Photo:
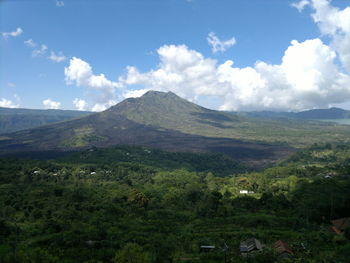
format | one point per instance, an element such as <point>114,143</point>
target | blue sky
<point>166,44</point>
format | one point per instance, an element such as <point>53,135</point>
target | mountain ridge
<point>15,119</point>
<point>313,114</point>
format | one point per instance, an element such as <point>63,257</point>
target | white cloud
<point>80,104</point>
<point>40,51</point>
<point>11,84</point>
<point>51,104</point>
<point>57,57</point>
<point>308,77</point>
<point>79,73</point>
<point>103,106</point>
<point>181,70</point>
<point>59,3</point>
<point>30,43</point>
<point>300,5</point>
<point>218,45</point>
<point>16,33</point>
<point>134,93</point>
<point>8,103</point>
<point>335,23</point>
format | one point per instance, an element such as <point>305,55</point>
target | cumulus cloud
<point>300,5</point>
<point>57,57</point>
<point>181,70</point>
<point>334,23</point>
<point>308,77</point>
<point>16,33</point>
<point>134,93</point>
<point>59,3</point>
<point>51,104</point>
<point>8,103</point>
<point>218,45</point>
<point>80,104</point>
<point>80,73</point>
<point>103,106</point>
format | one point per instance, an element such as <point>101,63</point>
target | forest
<point>137,204</point>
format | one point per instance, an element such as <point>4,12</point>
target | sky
<point>231,55</point>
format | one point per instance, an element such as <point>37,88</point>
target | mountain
<point>166,121</point>
<point>169,111</point>
<point>324,114</point>
<point>12,120</point>
<point>147,121</point>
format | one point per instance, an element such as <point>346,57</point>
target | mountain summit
<point>155,102</point>
<point>167,110</point>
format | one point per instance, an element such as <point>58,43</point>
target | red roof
<point>282,247</point>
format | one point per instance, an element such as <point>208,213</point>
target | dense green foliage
<point>12,120</point>
<point>142,156</point>
<point>109,206</point>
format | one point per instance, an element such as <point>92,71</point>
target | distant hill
<point>12,120</point>
<point>324,114</point>
<point>316,114</point>
<point>166,121</point>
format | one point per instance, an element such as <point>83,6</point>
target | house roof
<point>282,247</point>
<point>340,224</point>
<point>249,245</point>
<point>208,247</point>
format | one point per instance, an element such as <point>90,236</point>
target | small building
<point>245,192</point>
<point>207,248</point>
<point>339,225</point>
<point>250,245</point>
<point>36,172</point>
<point>92,173</point>
<point>282,249</point>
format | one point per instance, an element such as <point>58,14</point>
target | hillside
<point>12,120</point>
